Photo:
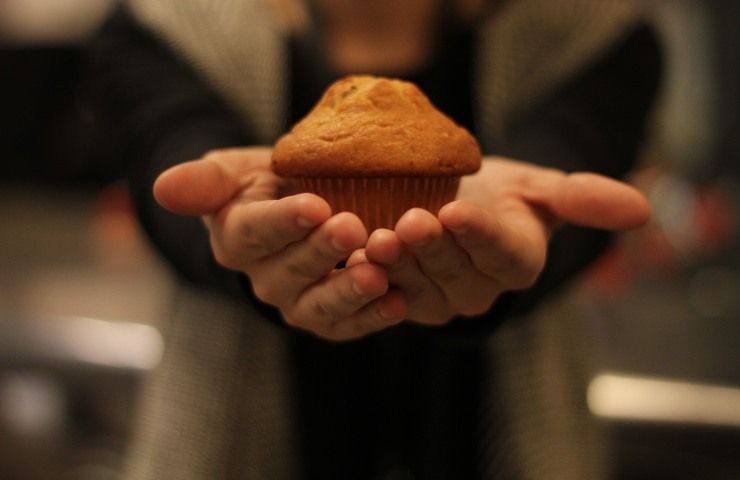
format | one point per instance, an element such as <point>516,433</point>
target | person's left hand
<point>494,237</point>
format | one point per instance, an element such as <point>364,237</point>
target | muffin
<point>376,147</point>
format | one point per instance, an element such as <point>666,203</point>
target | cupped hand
<point>494,237</point>
<point>288,246</point>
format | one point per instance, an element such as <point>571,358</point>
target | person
<point>194,88</point>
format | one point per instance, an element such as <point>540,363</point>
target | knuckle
<point>299,269</point>
<point>335,305</point>
<point>314,265</point>
<point>373,321</point>
<point>521,263</point>
<point>320,309</point>
<point>223,258</point>
<point>515,254</point>
<point>238,245</point>
<point>236,234</point>
<point>251,236</point>
<point>377,320</point>
<point>327,254</point>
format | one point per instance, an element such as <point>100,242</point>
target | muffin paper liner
<point>380,201</point>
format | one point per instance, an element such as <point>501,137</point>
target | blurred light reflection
<point>85,341</point>
<point>644,399</point>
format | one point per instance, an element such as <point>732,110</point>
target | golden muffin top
<point>372,126</point>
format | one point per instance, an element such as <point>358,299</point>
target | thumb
<point>592,200</point>
<point>204,186</point>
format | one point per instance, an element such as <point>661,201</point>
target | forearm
<point>597,120</point>
<point>161,114</point>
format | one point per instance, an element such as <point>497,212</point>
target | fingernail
<point>338,246</point>
<point>357,289</point>
<point>384,313</point>
<point>392,319</point>
<point>305,222</point>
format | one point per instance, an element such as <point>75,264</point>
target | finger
<point>340,299</point>
<point>204,186</point>
<point>386,311</point>
<point>426,302</point>
<point>589,200</point>
<point>250,230</point>
<point>281,277</point>
<point>507,247</point>
<point>357,257</point>
<point>446,264</point>
<point>383,247</point>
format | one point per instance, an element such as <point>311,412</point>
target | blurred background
<point>83,297</point>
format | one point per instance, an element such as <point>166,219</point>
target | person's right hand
<point>288,247</point>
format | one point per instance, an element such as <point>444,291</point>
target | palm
<point>494,237</point>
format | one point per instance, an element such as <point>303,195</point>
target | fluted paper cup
<point>380,201</point>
